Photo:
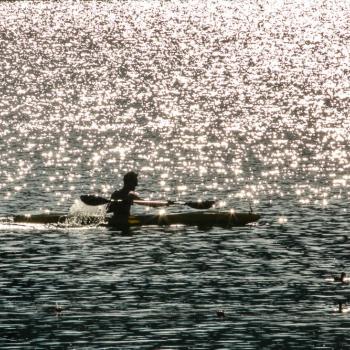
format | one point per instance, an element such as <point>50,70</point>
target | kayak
<point>193,218</point>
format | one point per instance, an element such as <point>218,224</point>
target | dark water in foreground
<point>161,288</point>
<point>244,102</point>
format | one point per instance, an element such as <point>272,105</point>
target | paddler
<point>122,199</point>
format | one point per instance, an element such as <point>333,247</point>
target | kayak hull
<point>205,219</point>
<point>201,219</point>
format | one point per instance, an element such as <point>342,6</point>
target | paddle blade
<point>201,205</point>
<point>90,199</point>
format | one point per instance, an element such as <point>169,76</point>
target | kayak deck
<point>203,219</point>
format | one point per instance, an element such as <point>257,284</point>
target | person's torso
<point>121,203</point>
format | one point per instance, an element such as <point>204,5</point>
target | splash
<point>79,208</point>
<point>82,214</point>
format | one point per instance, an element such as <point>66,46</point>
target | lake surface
<point>239,101</point>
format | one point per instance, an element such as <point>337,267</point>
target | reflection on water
<point>245,102</point>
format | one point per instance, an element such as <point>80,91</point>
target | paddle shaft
<point>96,200</point>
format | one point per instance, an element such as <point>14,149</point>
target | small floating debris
<point>220,313</point>
<point>58,308</point>
<point>342,307</point>
<point>342,278</point>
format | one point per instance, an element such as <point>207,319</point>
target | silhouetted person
<point>122,199</point>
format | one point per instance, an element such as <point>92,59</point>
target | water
<point>245,102</point>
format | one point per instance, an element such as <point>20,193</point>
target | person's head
<point>130,180</point>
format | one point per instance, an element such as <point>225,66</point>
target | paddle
<point>96,200</point>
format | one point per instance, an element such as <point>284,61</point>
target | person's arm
<point>136,199</point>
<point>134,196</point>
